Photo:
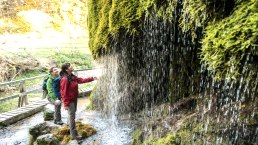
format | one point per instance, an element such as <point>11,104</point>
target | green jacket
<point>50,89</point>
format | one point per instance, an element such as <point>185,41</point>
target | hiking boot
<point>59,122</point>
<point>78,138</point>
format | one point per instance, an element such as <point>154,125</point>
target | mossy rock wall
<point>165,51</point>
<point>175,49</point>
<point>228,36</point>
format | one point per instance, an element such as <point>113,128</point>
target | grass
<point>30,74</point>
<point>49,51</point>
<point>8,105</point>
<point>13,103</point>
<point>77,59</point>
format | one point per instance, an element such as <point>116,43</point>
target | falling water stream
<point>162,65</point>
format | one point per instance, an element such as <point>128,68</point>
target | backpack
<point>44,85</point>
<point>56,87</point>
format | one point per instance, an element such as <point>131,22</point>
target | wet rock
<point>47,139</point>
<point>73,142</point>
<point>63,134</point>
<point>95,142</point>
<point>48,113</point>
<point>85,130</point>
<point>41,129</point>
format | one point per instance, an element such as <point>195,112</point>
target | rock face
<point>177,50</point>
<point>47,139</point>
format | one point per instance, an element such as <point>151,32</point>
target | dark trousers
<point>57,116</point>
<point>71,118</point>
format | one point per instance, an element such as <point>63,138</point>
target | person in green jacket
<point>53,99</point>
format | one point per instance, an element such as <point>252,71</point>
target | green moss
<point>137,137</point>
<point>170,139</point>
<point>101,37</point>
<point>193,15</point>
<point>2,125</point>
<point>123,14</point>
<point>63,133</point>
<point>91,105</point>
<point>228,37</point>
<point>93,20</point>
<point>107,18</point>
<point>228,41</point>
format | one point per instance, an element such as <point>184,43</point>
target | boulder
<point>48,113</point>
<point>40,129</point>
<point>47,139</point>
<point>63,133</point>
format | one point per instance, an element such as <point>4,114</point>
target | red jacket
<point>69,91</point>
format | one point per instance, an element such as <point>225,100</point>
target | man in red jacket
<point>69,92</point>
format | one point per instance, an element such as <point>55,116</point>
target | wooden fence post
<point>23,98</point>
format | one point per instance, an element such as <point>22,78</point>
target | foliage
<point>99,31</point>
<point>137,137</point>
<point>92,99</point>
<point>79,60</point>
<point>14,25</point>
<point>91,105</point>
<point>30,74</point>
<point>108,18</point>
<point>193,15</point>
<point>170,139</point>
<point>227,42</point>
<point>8,105</point>
<point>73,12</point>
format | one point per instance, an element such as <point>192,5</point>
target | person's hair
<point>64,67</point>
<point>52,69</point>
<point>63,72</point>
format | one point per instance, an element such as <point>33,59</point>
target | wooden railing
<point>22,95</point>
<point>23,90</point>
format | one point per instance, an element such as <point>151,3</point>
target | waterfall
<point>158,78</point>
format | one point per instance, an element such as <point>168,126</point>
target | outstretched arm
<point>84,80</point>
